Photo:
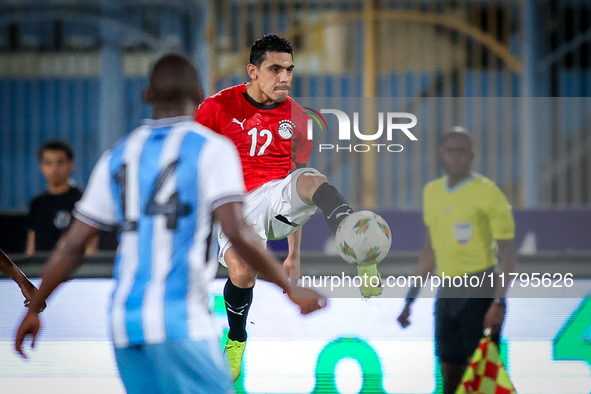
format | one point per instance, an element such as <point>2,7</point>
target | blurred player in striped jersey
<point>269,130</point>
<point>159,187</point>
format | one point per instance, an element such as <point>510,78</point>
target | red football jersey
<point>269,138</point>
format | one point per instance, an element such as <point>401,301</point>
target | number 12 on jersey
<point>254,134</point>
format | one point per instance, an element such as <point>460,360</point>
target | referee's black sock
<point>237,305</point>
<point>333,205</point>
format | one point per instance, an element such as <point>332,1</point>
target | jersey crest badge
<point>286,129</point>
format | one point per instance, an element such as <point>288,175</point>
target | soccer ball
<point>363,238</point>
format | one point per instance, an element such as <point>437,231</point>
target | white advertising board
<point>547,351</point>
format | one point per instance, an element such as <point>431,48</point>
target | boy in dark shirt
<point>50,211</point>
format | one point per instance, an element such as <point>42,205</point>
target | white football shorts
<point>274,210</point>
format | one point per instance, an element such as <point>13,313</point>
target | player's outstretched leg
<point>331,202</point>
<point>316,189</point>
<point>238,298</point>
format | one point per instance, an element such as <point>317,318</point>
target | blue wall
<point>33,111</point>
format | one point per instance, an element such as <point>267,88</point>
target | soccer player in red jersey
<point>269,129</point>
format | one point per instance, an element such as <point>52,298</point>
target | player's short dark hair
<point>56,145</point>
<point>268,43</point>
<point>456,132</point>
<point>174,80</point>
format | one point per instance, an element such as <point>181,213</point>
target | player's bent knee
<point>312,177</point>
<point>243,278</point>
<point>308,183</point>
<point>241,274</point>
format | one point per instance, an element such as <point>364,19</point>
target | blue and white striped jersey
<point>158,186</point>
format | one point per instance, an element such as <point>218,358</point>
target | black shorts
<point>459,327</point>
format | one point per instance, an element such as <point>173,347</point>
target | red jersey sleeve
<point>301,146</point>
<point>207,114</point>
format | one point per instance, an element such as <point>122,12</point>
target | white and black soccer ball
<point>363,238</point>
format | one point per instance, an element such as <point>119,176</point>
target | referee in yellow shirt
<point>467,217</point>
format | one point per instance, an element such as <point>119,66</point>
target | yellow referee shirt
<point>464,223</point>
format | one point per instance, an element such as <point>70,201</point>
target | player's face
<point>456,156</point>
<point>274,76</point>
<point>56,167</point>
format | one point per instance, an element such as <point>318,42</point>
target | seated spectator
<point>50,211</point>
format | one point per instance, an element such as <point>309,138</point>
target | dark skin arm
<point>8,268</point>
<point>507,261</point>
<point>425,265</point>
<point>64,260</point>
<point>69,252</point>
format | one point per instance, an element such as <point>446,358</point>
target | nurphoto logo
<point>392,120</point>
